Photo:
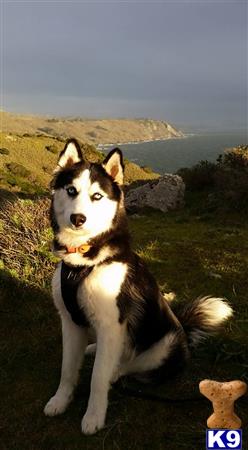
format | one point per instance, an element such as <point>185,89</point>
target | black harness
<point>71,277</point>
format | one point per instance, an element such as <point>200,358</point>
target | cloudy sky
<point>182,61</point>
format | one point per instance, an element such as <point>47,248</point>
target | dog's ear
<point>70,155</point>
<point>114,165</point>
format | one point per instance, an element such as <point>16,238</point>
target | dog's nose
<point>77,219</point>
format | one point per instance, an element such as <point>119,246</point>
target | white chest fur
<point>98,293</point>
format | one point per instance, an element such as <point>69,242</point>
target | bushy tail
<point>202,317</point>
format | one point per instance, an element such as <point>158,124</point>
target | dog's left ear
<point>70,155</point>
<point>114,165</point>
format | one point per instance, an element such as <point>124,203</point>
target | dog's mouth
<point>71,230</point>
<point>75,229</point>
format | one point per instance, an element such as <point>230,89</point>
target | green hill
<point>27,162</point>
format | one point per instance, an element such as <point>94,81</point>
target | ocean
<point>173,154</point>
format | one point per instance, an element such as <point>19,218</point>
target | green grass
<point>191,253</point>
<point>27,166</point>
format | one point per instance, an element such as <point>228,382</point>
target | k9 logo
<point>224,439</point>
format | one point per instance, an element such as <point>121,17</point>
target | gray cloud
<point>184,61</point>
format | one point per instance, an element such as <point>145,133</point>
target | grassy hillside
<point>27,163</point>
<point>89,130</point>
<point>190,254</point>
<point>201,249</point>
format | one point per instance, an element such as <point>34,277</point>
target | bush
<point>52,148</point>
<point>236,158</point>
<point>99,127</point>
<point>52,120</point>
<point>232,188</point>
<point>23,186</point>
<point>46,130</point>
<point>147,169</point>
<point>47,169</point>
<point>225,182</point>
<point>4,151</point>
<point>199,177</point>
<point>92,134</point>
<point>18,169</point>
<point>90,152</point>
<point>21,180</point>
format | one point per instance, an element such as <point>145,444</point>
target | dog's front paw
<point>56,405</point>
<point>92,422</point>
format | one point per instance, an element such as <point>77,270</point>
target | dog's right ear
<point>114,165</point>
<point>70,155</point>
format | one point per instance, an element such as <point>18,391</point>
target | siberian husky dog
<point>101,284</point>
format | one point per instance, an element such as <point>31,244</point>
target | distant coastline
<point>146,141</point>
<point>94,131</point>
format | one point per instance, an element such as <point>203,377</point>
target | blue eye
<point>96,196</point>
<point>71,191</point>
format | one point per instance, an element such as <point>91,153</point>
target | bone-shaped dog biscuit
<point>223,396</point>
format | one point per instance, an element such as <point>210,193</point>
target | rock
<point>164,193</point>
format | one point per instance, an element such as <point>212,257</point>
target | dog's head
<point>86,196</point>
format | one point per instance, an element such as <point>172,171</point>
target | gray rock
<point>164,193</point>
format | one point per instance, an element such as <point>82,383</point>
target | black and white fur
<point>110,290</point>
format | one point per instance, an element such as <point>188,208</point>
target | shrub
<point>232,188</point>
<point>92,134</point>
<point>46,130</point>
<point>4,151</point>
<point>225,182</point>
<point>236,158</point>
<point>52,148</point>
<point>200,176</point>
<point>24,186</point>
<point>147,169</point>
<point>18,169</point>
<point>2,175</point>
<point>90,152</point>
<point>47,169</point>
<point>60,138</point>
<point>99,127</point>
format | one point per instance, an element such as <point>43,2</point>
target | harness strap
<point>71,277</point>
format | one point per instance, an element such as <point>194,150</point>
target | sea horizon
<point>170,155</point>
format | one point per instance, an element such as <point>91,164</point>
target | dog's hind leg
<point>74,344</point>
<point>164,356</point>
